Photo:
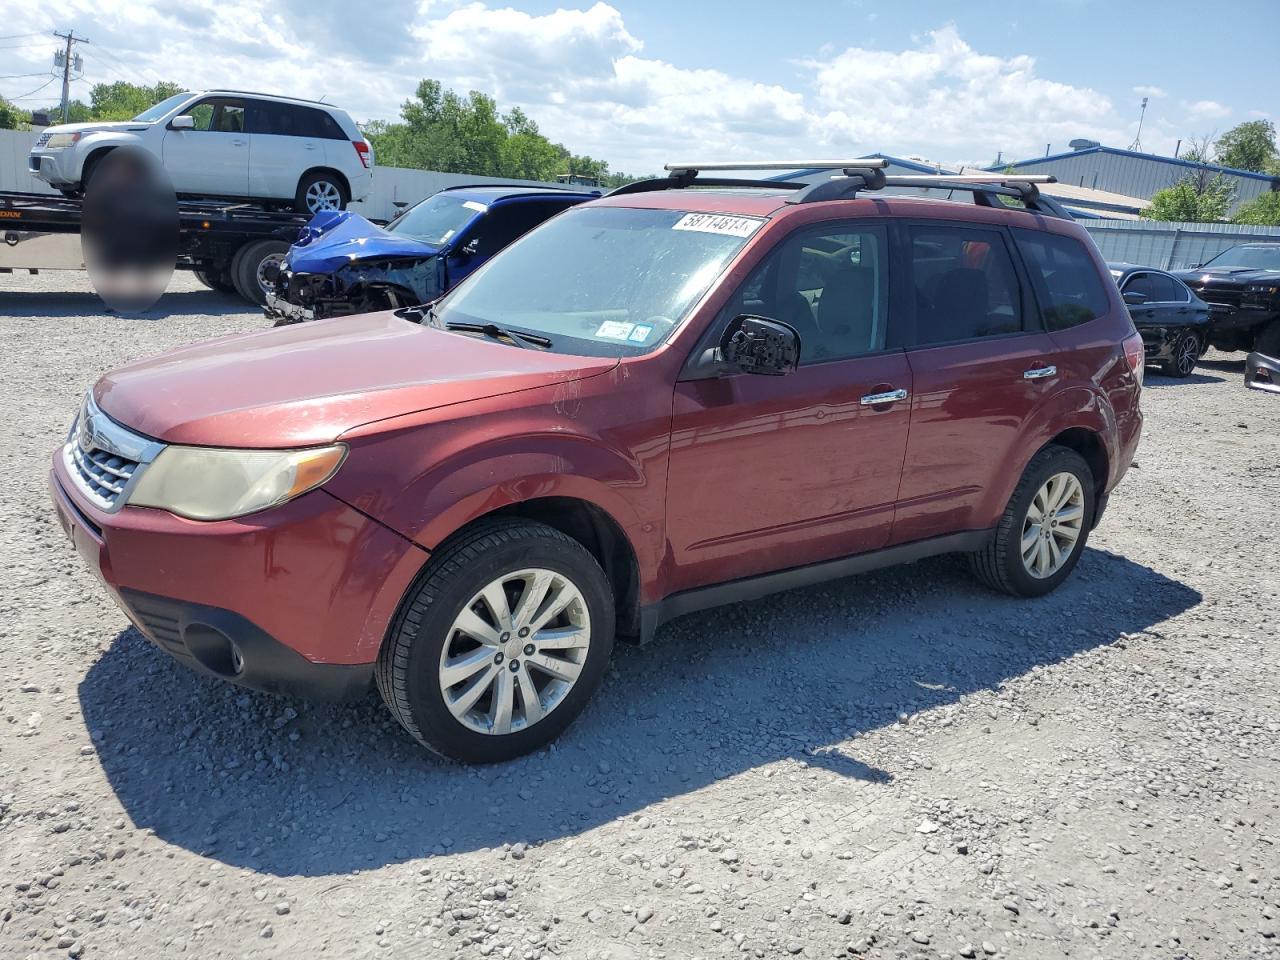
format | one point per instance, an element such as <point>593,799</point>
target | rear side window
<point>1065,278</point>
<point>964,283</point>
<point>291,120</point>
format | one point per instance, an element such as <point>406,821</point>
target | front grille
<point>43,139</point>
<point>103,458</point>
<point>101,474</point>
<point>1228,296</point>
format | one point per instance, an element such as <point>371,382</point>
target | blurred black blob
<point>129,229</point>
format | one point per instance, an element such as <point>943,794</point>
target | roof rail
<point>984,187</point>
<point>867,163</point>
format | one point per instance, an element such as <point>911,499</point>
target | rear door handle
<point>1039,373</point>
<point>876,399</point>
<point>237,143</point>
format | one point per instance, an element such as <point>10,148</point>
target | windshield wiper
<point>495,332</point>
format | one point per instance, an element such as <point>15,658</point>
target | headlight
<point>204,483</point>
<point>60,140</point>
<point>1261,289</point>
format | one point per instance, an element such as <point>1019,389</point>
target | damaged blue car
<point>342,263</point>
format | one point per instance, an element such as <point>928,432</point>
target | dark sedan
<point>1173,321</point>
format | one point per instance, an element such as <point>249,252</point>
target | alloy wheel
<point>1053,525</point>
<point>263,283</point>
<point>1188,352</point>
<point>323,195</point>
<point>514,651</point>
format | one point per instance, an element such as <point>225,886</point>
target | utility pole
<point>71,38</point>
<point>1136,146</point>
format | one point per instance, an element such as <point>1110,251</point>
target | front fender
<point>1073,406</point>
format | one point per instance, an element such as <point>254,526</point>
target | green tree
<point>1192,200</point>
<point>1248,146</point>
<point>124,101</point>
<point>440,129</point>
<point>1262,211</point>
<point>13,117</point>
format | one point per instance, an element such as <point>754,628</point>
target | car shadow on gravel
<point>784,683</point>
<point>1159,380</point>
<point>25,304</point>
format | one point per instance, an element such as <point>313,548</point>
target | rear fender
<point>1076,406</point>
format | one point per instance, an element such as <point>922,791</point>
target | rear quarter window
<point>1065,278</point>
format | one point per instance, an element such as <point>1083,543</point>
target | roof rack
<point>682,175</point>
<point>859,175</point>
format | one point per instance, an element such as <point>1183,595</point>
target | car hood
<point>1231,274</point>
<point>95,127</point>
<point>334,238</point>
<point>309,383</point>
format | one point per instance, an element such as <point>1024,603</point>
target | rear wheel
<point>1044,528</point>
<point>500,643</point>
<point>248,264</point>
<point>320,191</point>
<point>1186,351</point>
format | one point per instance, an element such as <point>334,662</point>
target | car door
<point>980,362</point>
<point>287,142</point>
<point>768,473</point>
<point>1149,310</point>
<point>213,158</point>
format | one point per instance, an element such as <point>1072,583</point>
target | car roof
<point>265,96</point>
<point>491,194</point>
<point>1126,268</point>
<point>772,204</point>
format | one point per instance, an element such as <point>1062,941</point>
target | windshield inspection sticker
<point>718,223</point>
<point>615,330</point>
<point>641,333</point>
<point>474,205</point>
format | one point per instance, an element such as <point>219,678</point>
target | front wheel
<point>1042,533</point>
<point>1186,352</point>
<point>499,644</point>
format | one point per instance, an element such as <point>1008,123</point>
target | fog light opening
<point>213,650</point>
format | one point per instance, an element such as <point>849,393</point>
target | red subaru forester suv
<point>693,391</point>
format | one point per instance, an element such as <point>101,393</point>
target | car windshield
<point>1251,258</point>
<point>152,114</point>
<point>602,281</point>
<point>437,219</point>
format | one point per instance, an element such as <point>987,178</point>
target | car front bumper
<point>55,167</point>
<point>296,599</point>
<point>1262,372</point>
<point>278,308</point>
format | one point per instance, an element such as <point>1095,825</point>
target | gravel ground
<point>901,765</point>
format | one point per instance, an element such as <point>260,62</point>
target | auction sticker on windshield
<point>718,223</point>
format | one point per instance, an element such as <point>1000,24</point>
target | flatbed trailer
<point>226,245</point>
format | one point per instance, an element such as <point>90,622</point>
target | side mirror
<point>182,122</point>
<point>1134,298</point>
<point>761,345</point>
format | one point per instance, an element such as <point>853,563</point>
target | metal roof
<point>1154,158</point>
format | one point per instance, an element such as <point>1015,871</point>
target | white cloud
<point>584,77</point>
<point>1206,109</point>
<point>1153,92</point>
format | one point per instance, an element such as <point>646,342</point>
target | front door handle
<point>876,399</point>
<point>237,143</point>
<point>1039,373</point>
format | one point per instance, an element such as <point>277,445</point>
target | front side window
<point>1065,278</point>
<point>830,282</point>
<point>219,116</point>
<point>603,281</point>
<point>964,284</point>
<point>1156,287</point>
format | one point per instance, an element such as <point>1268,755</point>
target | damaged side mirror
<point>761,345</point>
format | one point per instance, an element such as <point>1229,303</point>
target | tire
<point>425,634</point>
<point>215,280</point>
<point>1186,351</point>
<point>317,183</point>
<point>1000,565</point>
<point>247,263</point>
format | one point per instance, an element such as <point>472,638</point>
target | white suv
<point>225,143</point>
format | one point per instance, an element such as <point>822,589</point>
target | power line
<point>31,95</point>
<point>19,36</point>
<point>23,76</point>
